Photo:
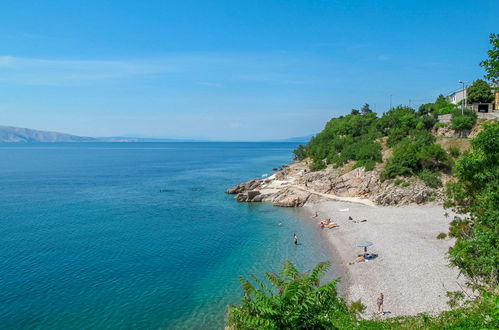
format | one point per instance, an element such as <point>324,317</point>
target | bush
<point>357,307</point>
<point>454,152</point>
<point>300,152</point>
<point>428,121</point>
<point>404,160</point>
<point>463,120</point>
<point>441,236</point>
<point>430,178</point>
<point>318,165</point>
<point>434,157</point>
<point>476,197</point>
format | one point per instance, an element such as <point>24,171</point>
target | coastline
<point>411,268</point>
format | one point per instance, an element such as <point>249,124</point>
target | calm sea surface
<point>87,240</point>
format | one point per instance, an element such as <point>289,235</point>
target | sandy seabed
<point>411,270</point>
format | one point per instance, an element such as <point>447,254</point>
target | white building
<point>456,96</point>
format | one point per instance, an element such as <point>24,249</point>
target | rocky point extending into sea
<point>295,185</point>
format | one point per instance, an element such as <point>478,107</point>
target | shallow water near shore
<point>138,235</point>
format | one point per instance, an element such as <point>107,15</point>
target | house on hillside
<point>456,97</point>
<point>460,95</point>
<point>495,90</point>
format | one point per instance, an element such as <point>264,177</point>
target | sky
<point>230,70</point>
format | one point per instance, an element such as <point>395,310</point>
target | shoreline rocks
<point>294,186</point>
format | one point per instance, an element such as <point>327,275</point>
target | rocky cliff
<point>294,185</point>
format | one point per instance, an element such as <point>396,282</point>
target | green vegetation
<point>357,137</point>
<point>479,92</point>
<point>476,197</point>
<point>491,65</point>
<point>298,301</point>
<point>351,137</point>
<point>430,178</point>
<point>463,120</point>
<point>293,301</point>
<point>441,236</point>
<point>440,107</point>
<point>454,151</point>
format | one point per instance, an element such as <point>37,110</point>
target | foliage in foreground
<point>478,314</point>
<point>476,197</point>
<point>491,64</point>
<point>294,301</point>
<point>297,301</point>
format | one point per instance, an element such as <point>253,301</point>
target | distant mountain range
<point>9,134</point>
<point>16,134</point>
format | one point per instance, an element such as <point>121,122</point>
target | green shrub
<point>357,307</point>
<point>454,152</point>
<point>439,124</point>
<point>317,165</point>
<point>406,184</point>
<point>395,135</point>
<point>441,236</point>
<point>433,157</point>
<point>398,182</point>
<point>428,121</point>
<point>293,301</point>
<point>476,197</point>
<point>300,152</point>
<point>463,120</point>
<point>431,179</point>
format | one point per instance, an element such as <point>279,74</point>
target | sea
<point>139,235</point>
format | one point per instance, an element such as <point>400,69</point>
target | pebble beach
<point>411,270</point>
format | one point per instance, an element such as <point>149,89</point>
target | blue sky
<point>229,70</point>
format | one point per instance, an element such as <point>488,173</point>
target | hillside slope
<point>9,134</point>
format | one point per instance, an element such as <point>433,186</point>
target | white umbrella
<point>364,244</point>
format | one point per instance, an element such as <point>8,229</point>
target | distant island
<point>10,134</point>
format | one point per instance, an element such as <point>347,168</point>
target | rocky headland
<point>295,185</point>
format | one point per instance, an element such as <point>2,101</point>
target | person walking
<point>295,238</point>
<point>379,302</point>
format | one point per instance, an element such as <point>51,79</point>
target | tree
<point>295,301</point>
<point>479,92</point>
<point>476,197</point>
<point>491,65</point>
<point>365,109</point>
<point>355,112</point>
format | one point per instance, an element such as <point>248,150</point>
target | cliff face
<point>16,134</point>
<point>295,185</point>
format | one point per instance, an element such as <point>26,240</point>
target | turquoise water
<point>87,239</point>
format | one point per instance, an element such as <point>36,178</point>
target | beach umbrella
<point>364,244</point>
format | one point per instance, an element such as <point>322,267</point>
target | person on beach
<point>379,302</point>
<point>316,215</point>
<point>295,238</point>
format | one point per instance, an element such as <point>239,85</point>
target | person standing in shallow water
<point>295,238</point>
<point>379,302</point>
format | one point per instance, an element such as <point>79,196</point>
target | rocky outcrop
<point>296,186</point>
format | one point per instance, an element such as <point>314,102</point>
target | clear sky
<point>229,70</point>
